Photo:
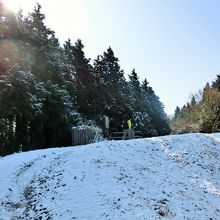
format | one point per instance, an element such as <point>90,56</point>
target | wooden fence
<point>126,134</point>
<point>81,136</point>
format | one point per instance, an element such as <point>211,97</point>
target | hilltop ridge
<point>171,177</point>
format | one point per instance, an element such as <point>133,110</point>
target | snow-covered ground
<point>171,177</point>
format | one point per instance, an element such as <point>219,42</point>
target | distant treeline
<point>46,88</point>
<point>202,113</point>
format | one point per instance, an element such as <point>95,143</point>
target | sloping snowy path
<point>170,177</point>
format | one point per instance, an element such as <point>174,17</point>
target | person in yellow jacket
<point>129,124</point>
<point>125,131</point>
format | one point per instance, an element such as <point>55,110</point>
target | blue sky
<point>175,44</point>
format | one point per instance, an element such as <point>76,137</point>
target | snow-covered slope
<point>171,177</point>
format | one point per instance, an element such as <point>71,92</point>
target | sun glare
<point>15,5</point>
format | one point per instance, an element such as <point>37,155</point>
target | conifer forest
<point>47,88</point>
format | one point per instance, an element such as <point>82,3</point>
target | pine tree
<point>157,114</point>
<point>14,113</point>
<point>30,66</point>
<point>58,116</point>
<point>84,81</point>
<point>135,89</point>
<point>177,113</point>
<point>216,83</point>
<point>68,62</point>
<point>134,82</point>
<point>47,85</point>
<point>44,45</point>
<point>112,87</point>
<point>140,105</point>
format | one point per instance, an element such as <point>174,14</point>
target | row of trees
<point>202,113</point>
<point>46,88</point>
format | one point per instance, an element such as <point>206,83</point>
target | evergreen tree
<point>136,92</point>
<point>84,81</point>
<point>134,82</point>
<point>158,117</point>
<point>112,88</point>
<point>16,112</point>
<point>216,83</point>
<point>30,65</point>
<point>43,86</point>
<point>46,53</point>
<point>140,106</point>
<point>68,62</point>
<point>58,116</point>
<point>177,113</point>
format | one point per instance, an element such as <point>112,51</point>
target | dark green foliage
<point>55,116</point>
<point>36,109</point>
<point>158,116</point>
<point>84,81</point>
<point>111,89</point>
<point>45,89</point>
<point>177,113</point>
<point>216,83</point>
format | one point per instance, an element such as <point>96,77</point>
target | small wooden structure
<point>81,136</point>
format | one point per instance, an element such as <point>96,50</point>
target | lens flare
<point>15,5</point>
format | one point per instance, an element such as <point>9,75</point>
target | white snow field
<point>170,177</point>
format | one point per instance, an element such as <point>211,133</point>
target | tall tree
<point>157,114</point>
<point>48,84</point>
<point>31,70</point>
<point>216,83</point>
<point>84,81</point>
<point>134,82</point>
<point>45,47</point>
<point>209,116</point>
<point>112,88</point>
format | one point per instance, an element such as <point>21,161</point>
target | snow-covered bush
<point>95,131</point>
<point>141,122</point>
